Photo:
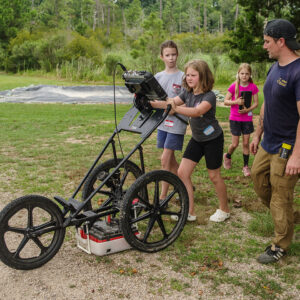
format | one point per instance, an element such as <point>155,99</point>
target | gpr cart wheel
<point>117,185</point>
<point>31,232</point>
<point>153,229</point>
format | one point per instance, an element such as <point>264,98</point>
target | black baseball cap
<point>281,28</point>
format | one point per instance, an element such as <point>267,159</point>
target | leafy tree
<point>134,13</point>
<point>147,45</point>
<point>246,42</point>
<point>14,14</point>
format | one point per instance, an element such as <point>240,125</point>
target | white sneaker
<point>190,218</point>
<point>219,216</point>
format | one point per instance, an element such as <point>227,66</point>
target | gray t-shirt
<point>171,83</point>
<point>205,127</point>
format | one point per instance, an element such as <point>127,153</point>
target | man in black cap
<point>277,162</point>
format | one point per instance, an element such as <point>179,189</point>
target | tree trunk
<point>199,12</point>
<point>108,21</point>
<point>236,15</point>
<point>204,16</point>
<point>221,23</point>
<point>124,24</point>
<point>160,9</point>
<point>96,15</point>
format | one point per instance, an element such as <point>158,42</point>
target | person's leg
<point>281,205</point>
<point>168,163</point>
<point>260,174</point>
<point>246,152</point>
<point>234,144</point>
<point>185,171</point>
<point>235,129</point>
<point>220,187</point>
<point>168,160</point>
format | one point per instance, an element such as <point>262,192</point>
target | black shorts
<point>237,128</point>
<point>212,150</point>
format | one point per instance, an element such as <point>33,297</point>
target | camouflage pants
<point>276,191</point>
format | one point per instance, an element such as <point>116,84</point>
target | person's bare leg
<point>168,163</point>
<point>234,144</point>
<point>185,171</point>
<point>246,138</point>
<point>220,187</point>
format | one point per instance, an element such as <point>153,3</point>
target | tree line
<point>63,34</point>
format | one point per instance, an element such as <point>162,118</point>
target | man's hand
<point>293,165</point>
<point>254,145</point>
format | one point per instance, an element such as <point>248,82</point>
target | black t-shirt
<point>205,127</point>
<point>281,92</point>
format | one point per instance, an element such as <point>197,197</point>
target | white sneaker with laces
<point>219,216</point>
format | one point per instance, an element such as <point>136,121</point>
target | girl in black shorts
<point>198,102</point>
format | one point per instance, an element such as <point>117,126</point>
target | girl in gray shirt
<point>198,102</point>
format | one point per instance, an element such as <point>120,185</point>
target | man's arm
<point>293,164</point>
<point>258,132</point>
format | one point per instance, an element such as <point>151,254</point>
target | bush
<point>50,51</point>
<point>84,47</point>
<point>110,62</point>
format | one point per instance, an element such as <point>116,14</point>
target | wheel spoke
<point>124,177</point>
<point>16,230</point>
<point>145,202</point>
<point>149,228</point>
<point>156,194</point>
<point>141,218</point>
<point>169,213</point>
<point>30,219</point>
<point>162,226</point>
<point>40,245</point>
<point>167,199</point>
<point>45,225</point>
<point>21,246</point>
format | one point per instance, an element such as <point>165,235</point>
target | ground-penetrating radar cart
<point>119,206</point>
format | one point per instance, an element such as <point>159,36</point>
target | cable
<point>115,107</point>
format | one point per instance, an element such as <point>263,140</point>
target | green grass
<point>11,81</point>
<point>47,149</point>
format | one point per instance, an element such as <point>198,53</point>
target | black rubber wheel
<point>115,188</point>
<point>153,228</point>
<point>31,232</point>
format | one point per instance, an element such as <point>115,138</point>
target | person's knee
<point>234,145</point>
<point>246,144</point>
<point>215,177</point>
<point>182,174</point>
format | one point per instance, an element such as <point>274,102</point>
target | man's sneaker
<point>246,171</point>
<point>272,254</point>
<point>219,216</point>
<point>226,162</point>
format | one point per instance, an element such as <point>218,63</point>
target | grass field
<point>47,148</point>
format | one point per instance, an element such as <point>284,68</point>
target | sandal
<point>219,216</point>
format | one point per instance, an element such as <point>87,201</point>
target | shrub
<point>83,47</point>
<point>110,62</point>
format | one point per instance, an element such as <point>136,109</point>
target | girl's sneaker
<point>246,171</point>
<point>226,162</point>
<point>190,218</point>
